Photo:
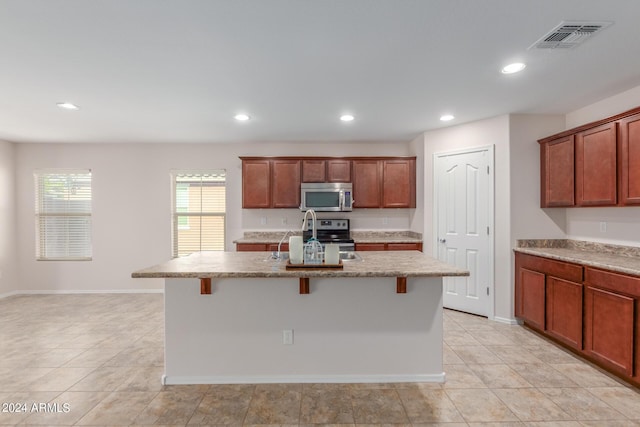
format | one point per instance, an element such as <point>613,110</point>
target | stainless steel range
<point>331,231</point>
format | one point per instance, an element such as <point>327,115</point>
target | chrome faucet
<point>280,243</point>
<point>314,234</point>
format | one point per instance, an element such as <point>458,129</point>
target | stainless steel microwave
<point>327,196</point>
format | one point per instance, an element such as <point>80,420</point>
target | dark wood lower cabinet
<point>564,311</point>
<point>609,329</point>
<point>260,247</point>
<point>389,247</point>
<point>594,312</point>
<point>530,298</point>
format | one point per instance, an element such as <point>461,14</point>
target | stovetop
<point>329,231</point>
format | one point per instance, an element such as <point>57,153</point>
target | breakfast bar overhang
<point>238,317</point>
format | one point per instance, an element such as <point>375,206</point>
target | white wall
<point>516,192</point>
<point>131,204</point>
<point>417,147</point>
<point>622,224</point>
<point>494,131</point>
<point>8,270</point>
<point>528,220</point>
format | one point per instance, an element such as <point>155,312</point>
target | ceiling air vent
<point>569,34</point>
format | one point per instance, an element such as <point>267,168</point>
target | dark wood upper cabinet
<point>256,183</point>
<point>378,182</point>
<point>557,172</point>
<point>314,171</point>
<point>326,170</point>
<point>398,183</point>
<point>366,184</point>
<point>285,184</point>
<point>338,170</point>
<point>270,183</point>
<point>596,166</point>
<point>630,160</point>
<point>600,160</point>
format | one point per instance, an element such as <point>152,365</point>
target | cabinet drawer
<point>622,283</point>
<point>369,246</point>
<point>404,246</point>
<point>560,269</point>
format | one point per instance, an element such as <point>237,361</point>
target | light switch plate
<point>287,337</point>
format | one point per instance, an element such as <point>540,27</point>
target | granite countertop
<point>255,264</point>
<point>621,259</point>
<point>271,237</point>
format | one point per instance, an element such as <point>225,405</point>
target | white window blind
<point>198,212</point>
<point>63,214</point>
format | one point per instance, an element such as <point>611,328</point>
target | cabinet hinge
<point>487,170</point>
<point>487,230</point>
<point>487,290</point>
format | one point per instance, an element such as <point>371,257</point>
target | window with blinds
<point>198,212</point>
<point>63,215</point>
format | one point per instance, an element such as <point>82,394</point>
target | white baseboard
<point>297,379</point>
<point>506,320</point>
<point>9,294</point>
<point>81,291</point>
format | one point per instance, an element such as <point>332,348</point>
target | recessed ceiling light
<point>513,68</point>
<point>67,106</point>
<point>446,117</point>
<point>241,117</point>
<point>347,117</point>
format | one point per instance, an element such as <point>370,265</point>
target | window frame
<point>176,215</point>
<point>44,211</point>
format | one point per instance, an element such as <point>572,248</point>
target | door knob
<point>442,240</point>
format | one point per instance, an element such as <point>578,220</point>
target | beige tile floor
<point>97,360</point>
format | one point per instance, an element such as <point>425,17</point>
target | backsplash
<point>582,245</point>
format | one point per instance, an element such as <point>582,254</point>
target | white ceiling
<point>178,70</point>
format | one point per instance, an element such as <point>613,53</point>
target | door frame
<point>492,228</point>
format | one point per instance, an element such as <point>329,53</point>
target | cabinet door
<point>285,181</point>
<point>398,183</point>
<point>557,174</point>
<point>313,171</point>
<point>530,297</point>
<point>596,166</point>
<point>256,184</point>
<point>366,184</point>
<point>338,171</point>
<point>609,329</point>
<point>564,311</point>
<point>630,160</point>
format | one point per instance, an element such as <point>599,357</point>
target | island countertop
<point>255,264</point>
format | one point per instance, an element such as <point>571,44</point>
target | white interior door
<point>463,216</point>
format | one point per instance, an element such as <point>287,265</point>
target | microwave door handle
<point>341,200</point>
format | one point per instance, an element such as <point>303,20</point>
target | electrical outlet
<point>385,220</point>
<point>287,337</point>
<point>603,227</point>
<point>284,220</point>
<point>263,220</point>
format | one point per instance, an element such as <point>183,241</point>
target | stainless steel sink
<point>350,256</point>
<point>273,256</point>
<point>346,256</point>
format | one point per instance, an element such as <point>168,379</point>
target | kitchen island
<point>239,317</point>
